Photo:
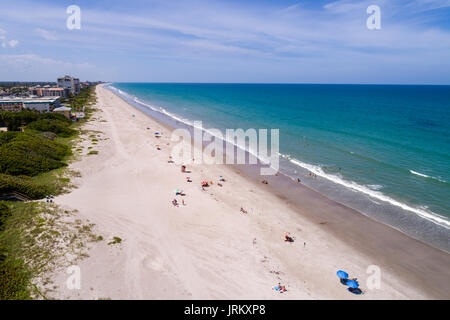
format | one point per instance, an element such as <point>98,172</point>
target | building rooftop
<point>29,100</point>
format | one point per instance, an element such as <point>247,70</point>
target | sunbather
<point>288,238</point>
<point>205,184</point>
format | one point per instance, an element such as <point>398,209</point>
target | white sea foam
<point>426,176</point>
<point>315,169</point>
<point>431,216</point>
<point>419,174</point>
<point>189,123</point>
<point>375,187</point>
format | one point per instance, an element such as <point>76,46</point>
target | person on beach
<point>175,202</point>
<point>243,210</point>
<point>280,288</point>
<point>288,238</point>
<point>298,180</point>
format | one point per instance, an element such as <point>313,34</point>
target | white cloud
<point>32,66</point>
<point>245,34</point>
<point>5,42</point>
<point>13,43</point>
<point>47,35</point>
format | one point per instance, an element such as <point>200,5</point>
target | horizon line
<point>251,83</point>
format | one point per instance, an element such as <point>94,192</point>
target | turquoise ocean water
<point>383,150</point>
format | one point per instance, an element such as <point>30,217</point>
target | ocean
<point>383,150</point>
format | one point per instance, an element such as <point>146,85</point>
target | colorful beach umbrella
<point>342,274</point>
<point>352,284</point>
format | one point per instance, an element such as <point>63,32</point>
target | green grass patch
<point>115,240</point>
<point>34,237</point>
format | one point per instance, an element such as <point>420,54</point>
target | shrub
<point>58,127</point>
<point>14,279</point>
<point>27,154</point>
<point>5,212</point>
<point>24,185</point>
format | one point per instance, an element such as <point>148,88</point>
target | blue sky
<point>282,41</point>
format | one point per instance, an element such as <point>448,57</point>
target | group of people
<point>280,288</point>
<point>175,202</point>
<point>288,238</point>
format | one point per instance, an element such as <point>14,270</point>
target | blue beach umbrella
<point>352,284</point>
<point>342,274</point>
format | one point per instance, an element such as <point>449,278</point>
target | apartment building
<point>45,104</point>
<point>47,92</point>
<point>70,85</point>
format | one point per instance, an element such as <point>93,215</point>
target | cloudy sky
<point>314,41</point>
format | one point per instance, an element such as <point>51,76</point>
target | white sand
<point>206,249</point>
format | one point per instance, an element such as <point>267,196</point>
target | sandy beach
<point>208,249</point>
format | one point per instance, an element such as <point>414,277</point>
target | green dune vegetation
<point>34,154</point>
